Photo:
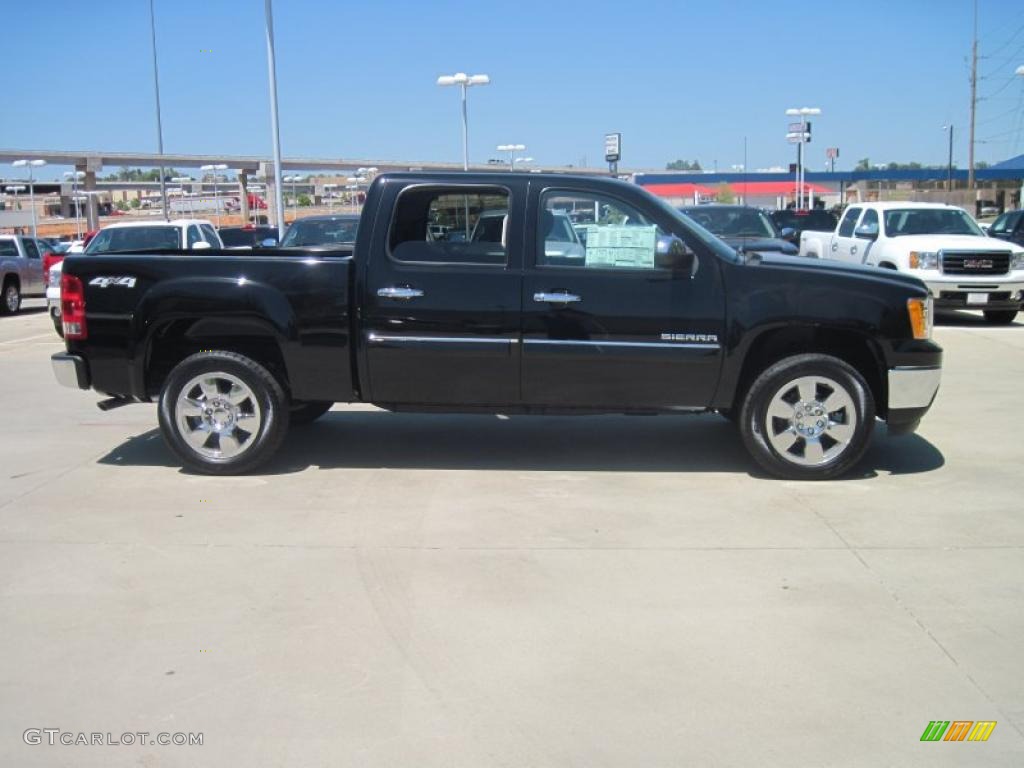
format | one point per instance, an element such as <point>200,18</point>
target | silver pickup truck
<point>21,270</point>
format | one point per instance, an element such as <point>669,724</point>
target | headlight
<point>924,260</point>
<point>1017,262</point>
<point>53,278</point>
<point>920,312</point>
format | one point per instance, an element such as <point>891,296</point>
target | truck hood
<point>835,269</point>
<point>950,243</point>
<point>762,244</point>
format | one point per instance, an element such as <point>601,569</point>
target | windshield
<point>929,221</point>
<point>320,232</point>
<point>116,239</point>
<point>732,222</point>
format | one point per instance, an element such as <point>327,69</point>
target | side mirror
<point>202,245</point>
<point>788,234</point>
<point>867,232</point>
<point>672,253</point>
<point>268,243</point>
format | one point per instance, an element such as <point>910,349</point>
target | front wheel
<point>222,413</point>
<point>11,298</point>
<point>1000,316</point>
<point>808,417</point>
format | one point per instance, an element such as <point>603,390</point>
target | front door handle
<point>557,297</point>
<point>835,246</point>
<point>399,292</point>
<point>853,250</point>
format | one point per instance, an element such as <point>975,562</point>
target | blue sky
<point>356,79</point>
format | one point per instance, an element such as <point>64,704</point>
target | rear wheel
<point>307,411</point>
<point>808,417</point>
<point>11,298</point>
<point>58,325</point>
<point>1000,316</point>
<point>222,413</point>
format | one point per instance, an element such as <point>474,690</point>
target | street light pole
<point>464,81</point>
<point>216,196</point>
<point>75,176</point>
<point>274,122</point>
<point>159,124</point>
<point>511,149</point>
<point>803,113</point>
<point>30,164</point>
<point>949,164</point>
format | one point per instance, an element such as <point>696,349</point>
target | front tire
<point>808,417</point>
<point>222,413</point>
<point>12,298</point>
<point>1000,316</point>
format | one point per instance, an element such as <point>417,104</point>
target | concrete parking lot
<point>400,590</point>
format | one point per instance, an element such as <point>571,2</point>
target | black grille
<point>980,263</point>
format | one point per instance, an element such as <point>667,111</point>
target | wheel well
<point>176,340</point>
<point>887,265</point>
<point>849,346</point>
<point>10,277</point>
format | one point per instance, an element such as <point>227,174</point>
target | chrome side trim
<point>376,338</point>
<point>659,344</point>
<point>913,387</point>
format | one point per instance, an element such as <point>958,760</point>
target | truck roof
<point>158,223</point>
<point>891,204</point>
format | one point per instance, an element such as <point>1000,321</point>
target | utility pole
<point>974,99</point>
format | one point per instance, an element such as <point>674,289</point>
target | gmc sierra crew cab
<point>658,316</point>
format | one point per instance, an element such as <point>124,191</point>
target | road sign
<point>832,152</point>
<point>798,138</point>
<point>612,147</point>
<point>796,127</point>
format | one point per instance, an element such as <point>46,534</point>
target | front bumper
<point>1002,292</point>
<point>912,391</point>
<point>70,370</point>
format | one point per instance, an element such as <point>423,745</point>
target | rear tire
<point>11,301</point>
<point>1000,316</point>
<point>222,413</point>
<point>307,411</point>
<point>808,417</point>
<point>58,325</point>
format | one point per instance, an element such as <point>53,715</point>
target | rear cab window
<point>450,224</point>
<point>849,222</point>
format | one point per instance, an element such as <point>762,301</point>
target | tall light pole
<point>15,189</point>
<point>181,180</point>
<point>75,176</point>
<point>464,82</point>
<point>295,200</point>
<point>30,164</point>
<point>949,163</point>
<point>330,190</point>
<point>802,113</point>
<point>216,197</point>
<point>511,149</point>
<point>274,122</point>
<point>159,124</point>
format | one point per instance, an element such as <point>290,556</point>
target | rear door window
<point>30,248</point>
<point>210,236</point>
<point>193,235</point>
<point>849,222</point>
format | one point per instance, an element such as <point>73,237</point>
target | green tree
<point>725,193</point>
<point>864,164</point>
<point>304,200</point>
<point>121,205</point>
<point>135,202</point>
<point>683,165</point>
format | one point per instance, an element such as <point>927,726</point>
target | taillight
<point>49,259</point>
<point>72,306</point>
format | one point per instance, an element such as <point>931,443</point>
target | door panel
<point>441,317</point>
<point>630,338</point>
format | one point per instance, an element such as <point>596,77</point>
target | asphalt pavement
<point>432,590</point>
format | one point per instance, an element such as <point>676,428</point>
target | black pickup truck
<point>439,308</point>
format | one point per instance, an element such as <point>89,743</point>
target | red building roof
<point>742,188</point>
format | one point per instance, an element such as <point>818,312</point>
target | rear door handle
<point>399,292</point>
<point>557,297</point>
<point>853,250</point>
<point>835,246</point>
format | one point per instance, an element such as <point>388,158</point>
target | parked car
<point>323,232</point>
<point>236,347</point>
<point>940,244</point>
<point>742,227</point>
<point>1009,226</point>
<point>21,270</point>
<point>561,240</point>
<point>799,220</point>
<point>177,234</point>
<point>248,238</point>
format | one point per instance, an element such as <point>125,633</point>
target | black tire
<point>771,386</point>
<point>10,302</point>
<point>58,325</point>
<point>307,411</point>
<point>1000,316</point>
<point>267,401</point>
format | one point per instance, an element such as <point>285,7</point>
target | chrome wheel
<point>811,421</point>
<point>12,298</point>
<point>218,415</point>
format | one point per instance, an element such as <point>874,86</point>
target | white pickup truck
<point>940,244</point>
